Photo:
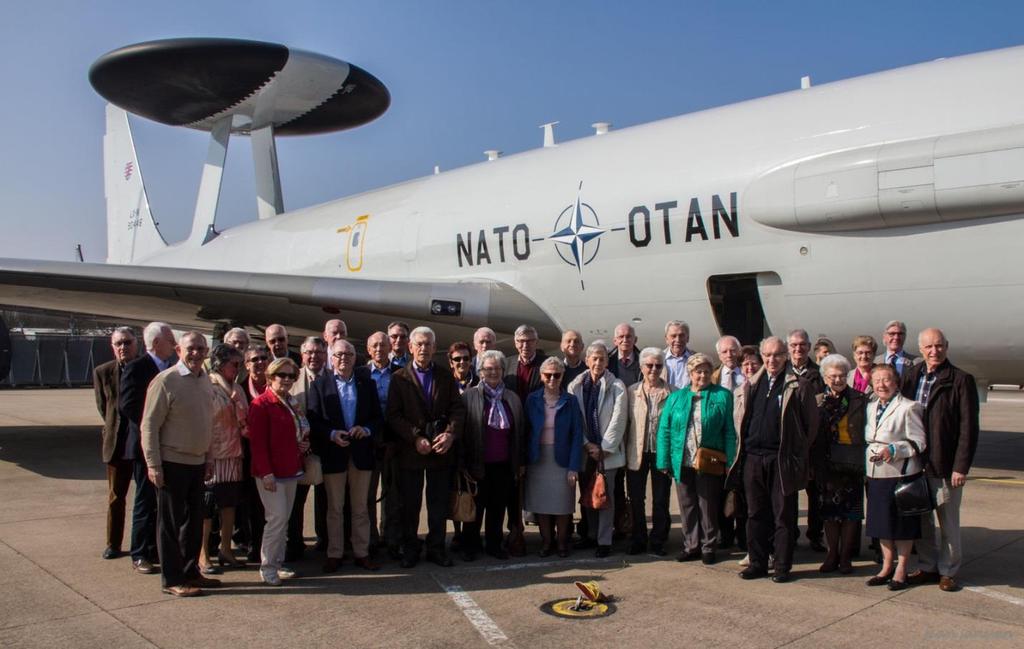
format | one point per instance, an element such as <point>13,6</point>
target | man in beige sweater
<point>176,430</point>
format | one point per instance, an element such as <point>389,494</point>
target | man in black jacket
<point>950,398</point>
<point>799,344</point>
<point>135,379</point>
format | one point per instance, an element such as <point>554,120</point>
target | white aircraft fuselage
<point>667,205</point>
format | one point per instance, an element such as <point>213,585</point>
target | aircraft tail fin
<point>132,233</point>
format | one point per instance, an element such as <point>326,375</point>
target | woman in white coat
<point>602,399</point>
<point>895,438</point>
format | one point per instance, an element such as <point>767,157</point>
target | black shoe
<point>636,547</point>
<point>688,556</point>
<point>818,546</point>
<point>111,553</point>
<point>468,554</point>
<point>879,580</point>
<point>897,585</point>
<point>584,543</point>
<point>395,552</point>
<point>707,558</point>
<point>498,553</point>
<point>440,558</point>
<point>658,550</point>
<point>782,577</point>
<point>751,572</point>
<point>602,551</point>
<point>144,567</point>
<point>409,561</point>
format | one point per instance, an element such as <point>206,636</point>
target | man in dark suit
<point>523,376</point>
<point>106,379</point>
<point>894,337</point>
<point>426,416</point>
<point>799,345</point>
<point>135,379</point>
<point>345,424</point>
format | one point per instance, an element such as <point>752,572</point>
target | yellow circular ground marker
<point>586,610</point>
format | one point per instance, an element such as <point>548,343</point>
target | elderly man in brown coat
<point>425,415</point>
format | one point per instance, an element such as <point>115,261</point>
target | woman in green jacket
<point>697,425</point>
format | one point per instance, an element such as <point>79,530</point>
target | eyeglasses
<point>287,377</point>
<point>654,366</point>
<point>551,375</point>
<point>460,359</point>
<point>123,343</point>
<point>394,336</point>
<point>258,359</point>
<point>280,339</point>
<point>342,354</point>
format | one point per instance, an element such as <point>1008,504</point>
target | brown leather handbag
<point>709,461</point>
<point>595,496</point>
<point>463,501</point>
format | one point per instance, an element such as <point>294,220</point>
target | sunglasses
<point>653,366</point>
<point>258,359</point>
<point>287,377</point>
<point>460,359</point>
<point>551,375</point>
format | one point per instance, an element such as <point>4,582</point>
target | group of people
<point>223,447</point>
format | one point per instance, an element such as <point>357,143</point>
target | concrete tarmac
<point>56,591</point>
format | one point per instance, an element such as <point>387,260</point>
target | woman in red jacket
<point>279,435</point>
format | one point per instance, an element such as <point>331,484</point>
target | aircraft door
<point>736,301</point>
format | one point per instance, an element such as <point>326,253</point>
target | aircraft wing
<point>201,298</point>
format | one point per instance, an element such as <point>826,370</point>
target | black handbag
<point>913,495</point>
<point>846,458</point>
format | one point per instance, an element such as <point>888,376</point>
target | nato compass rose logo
<point>576,240</point>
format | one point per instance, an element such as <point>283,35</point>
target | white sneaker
<point>285,572</point>
<point>270,578</point>
<point>745,561</point>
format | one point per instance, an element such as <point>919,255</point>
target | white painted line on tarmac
<point>481,621</point>
<point>995,594</point>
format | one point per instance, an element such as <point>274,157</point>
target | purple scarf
<point>591,415</point>
<point>496,414</point>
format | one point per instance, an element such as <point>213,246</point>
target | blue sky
<point>464,77</point>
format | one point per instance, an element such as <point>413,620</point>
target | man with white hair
<point>106,379</point>
<point>624,360</point>
<point>135,380</point>
<point>677,352</point>
<point>776,436</point>
<point>523,376</point>
<point>949,396</point>
<point>177,426</point>
<point>334,329</point>
<point>728,374</point>
<point>484,338</point>
<point>277,342</point>
<point>894,337</point>
<point>314,363</point>
<point>426,415</point>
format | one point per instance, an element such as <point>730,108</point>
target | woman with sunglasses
<point>646,399</point>
<point>279,435</point>
<point>493,451</point>
<point>554,457</point>
<point>460,358</point>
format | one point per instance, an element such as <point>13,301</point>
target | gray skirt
<point>547,487</point>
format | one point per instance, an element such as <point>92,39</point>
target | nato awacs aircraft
<point>836,208</point>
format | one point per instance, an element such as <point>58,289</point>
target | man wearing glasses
<point>314,361</point>
<point>523,376</point>
<point>894,337</point>
<point>277,341</point>
<point>398,336</point>
<point>345,422</point>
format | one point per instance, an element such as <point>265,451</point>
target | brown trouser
<point>119,478</point>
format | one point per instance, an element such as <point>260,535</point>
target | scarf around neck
<point>496,417</point>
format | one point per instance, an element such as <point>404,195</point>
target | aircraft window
<point>736,303</point>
